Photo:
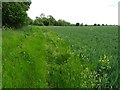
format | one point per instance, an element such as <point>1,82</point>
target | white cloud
<point>83,11</point>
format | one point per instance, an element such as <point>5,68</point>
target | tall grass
<point>24,59</point>
<point>60,57</point>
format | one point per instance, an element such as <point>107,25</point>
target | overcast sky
<point>82,11</point>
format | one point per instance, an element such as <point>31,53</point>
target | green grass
<point>93,43</point>
<point>55,57</point>
<point>0,58</point>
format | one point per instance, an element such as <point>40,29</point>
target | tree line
<point>14,15</point>
<point>49,20</point>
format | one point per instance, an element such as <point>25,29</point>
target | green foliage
<point>81,24</point>
<point>45,21</point>
<point>29,21</point>
<point>38,21</point>
<point>91,44</point>
<point>60,57</point>
<point>98,24</point>
<point>95,24</point>
<point>14,13</point>
<point>25,64</point>
<point>62,23</point>
<point>86,25</point>
<point>49,21</point>
<point>77,24</point>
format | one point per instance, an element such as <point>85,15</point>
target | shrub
<point>95,24</point>
<point>77,24</point>
<point>98,24</point>
<point>14,13</point>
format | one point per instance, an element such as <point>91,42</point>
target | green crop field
<point>60,57</point>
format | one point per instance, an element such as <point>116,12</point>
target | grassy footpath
<point>57,57</point>
<point>24,58</point>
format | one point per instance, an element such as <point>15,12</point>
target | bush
<point>86,25</point>
<point>81,24</point>
<point>98,24</point>
<point>103,25</point>
<point>95,24</point>
<point>14,13</point>
<point>77,24</point>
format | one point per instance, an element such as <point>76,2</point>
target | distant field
<point>54,57</point>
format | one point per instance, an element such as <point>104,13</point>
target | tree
<point>45,21</point>
<point>95,24</point>
<point>42,15</point>
<point>51,20</point>
<point>61,22</point>
<point>77,24</point>
<point>29,21</point>
<point>14,13</point>
<point>103,25</point>
<point>38,21</point>
<point>98,24</point>
<point>86,25</point>
<point>81,24</point>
